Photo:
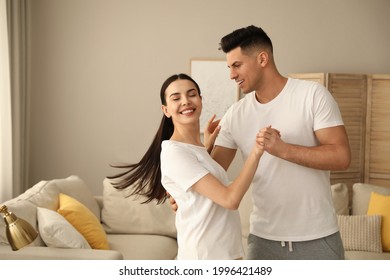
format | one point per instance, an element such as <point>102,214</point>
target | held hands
<point>211,132</point>
<point>269,139</point>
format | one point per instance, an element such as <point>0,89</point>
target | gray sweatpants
<point>326,248</point>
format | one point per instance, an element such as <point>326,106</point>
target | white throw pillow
<point>57,232</point>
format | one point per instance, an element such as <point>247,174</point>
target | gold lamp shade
<point>19,232</point>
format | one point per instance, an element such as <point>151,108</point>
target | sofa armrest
<point>50,253</point>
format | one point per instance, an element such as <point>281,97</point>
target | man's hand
<point>211,132</point>
<point>172,203</point>
<point>270,138</point>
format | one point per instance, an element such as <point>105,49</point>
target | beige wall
<point>96,66</point>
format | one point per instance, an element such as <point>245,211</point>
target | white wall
<point>96,66</point>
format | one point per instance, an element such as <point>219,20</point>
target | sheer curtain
<point>13,102</point>
<point>6,174</point>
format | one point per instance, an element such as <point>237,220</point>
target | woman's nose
<point>185,101</point>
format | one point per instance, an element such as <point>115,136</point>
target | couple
<point>291,186</point>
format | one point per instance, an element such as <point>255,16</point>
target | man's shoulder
<point>305,83</point>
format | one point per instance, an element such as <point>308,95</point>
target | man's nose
<point>233,74</point>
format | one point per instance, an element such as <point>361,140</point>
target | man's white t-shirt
<point>291,202</point>
<point>205,230</point>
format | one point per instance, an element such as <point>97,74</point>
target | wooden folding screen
<point>377,151</point>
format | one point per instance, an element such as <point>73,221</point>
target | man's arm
<point>332,153</point>
<point>224,156</point>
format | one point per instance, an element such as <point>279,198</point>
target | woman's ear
<point>165,111</point>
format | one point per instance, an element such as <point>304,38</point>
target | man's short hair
<point>246,38</point>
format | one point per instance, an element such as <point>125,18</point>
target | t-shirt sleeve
<point>225,138</point>
<point>183,167</point>
<point>326,109</point>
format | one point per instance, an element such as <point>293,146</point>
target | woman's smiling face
<point>183,102</point>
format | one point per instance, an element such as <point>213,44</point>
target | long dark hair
<point>144,177</point>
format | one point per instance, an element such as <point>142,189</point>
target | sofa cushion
<point>57,232</point>
<point>84,221</point>
<point>380,205</point>
<point>75,187</point>
<point>121,214</point>
<point>42,194</point>
<point>144,246</point>
<point>361,232</point>
<point>361,196</point>
<point>340,198</point>
<point>361,255</point>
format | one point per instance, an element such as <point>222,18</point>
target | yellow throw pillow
<point>380,205</point>
<point>84,221</point>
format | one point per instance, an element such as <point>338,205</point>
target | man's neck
<point>271,89</point>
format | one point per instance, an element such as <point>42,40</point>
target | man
<point>304,137</point>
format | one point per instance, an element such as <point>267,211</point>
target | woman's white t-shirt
<point>205,230</point>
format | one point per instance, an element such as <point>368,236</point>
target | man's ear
<point>262,58</point>
<point>165,111</point>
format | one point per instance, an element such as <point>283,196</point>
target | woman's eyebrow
<point>192,89</point>
<point>173,94</point>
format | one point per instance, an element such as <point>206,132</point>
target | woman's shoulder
<point>180,153</point>
<point>176,146</point>
<point>169,145</point>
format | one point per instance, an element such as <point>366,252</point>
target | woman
<point>208,225</point>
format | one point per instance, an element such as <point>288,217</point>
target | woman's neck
<point>188,135</point>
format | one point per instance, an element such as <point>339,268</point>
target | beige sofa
<point>362,234</point>
<point>147,231</point>
<point>132,230</point>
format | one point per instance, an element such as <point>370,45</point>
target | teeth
<point>239,82</point>
<point>187,111</point>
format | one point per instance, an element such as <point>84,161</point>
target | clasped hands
<point>270,139</point>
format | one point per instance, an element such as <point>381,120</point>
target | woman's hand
<point>258,148</point>
<point>211,132</point>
